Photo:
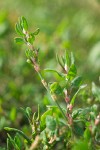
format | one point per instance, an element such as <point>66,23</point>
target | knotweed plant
<point>61,128</point>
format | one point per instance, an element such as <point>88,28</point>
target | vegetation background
<point>64,24</point>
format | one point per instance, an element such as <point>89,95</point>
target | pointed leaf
<point>36,32</point>
<point>73,98</point>
<point>24,23</point>
<point>43,118</point>
<point>72,72</point>
<point>59,61</point>
<point>56,88</point>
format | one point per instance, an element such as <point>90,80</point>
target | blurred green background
<point>64,24</point>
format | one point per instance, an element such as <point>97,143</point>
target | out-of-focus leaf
<point>73,98</point>
<point>78,128</point>
<point>13,142</point>
<point>55,88</point>
<point>13,114</point>
<point>17,140</point>
<point>76,81</point>
<point>87,134</point>
<point>50,123</point>
<point>24,23</point>
<point>43,118</point>
<point>81,145</point>
<point>8,144</point>
<point>75,113</point>
<point>29,53</point>
<point>72,72</point>
<point>52,70</point>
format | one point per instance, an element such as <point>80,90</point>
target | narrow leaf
<point>24,23</point>
<point>72,72</point>
<point>59,61</point>
<point>18,29</point>
<point>73,98</point>
<point>36,32</point>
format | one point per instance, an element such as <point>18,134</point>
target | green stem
<point>53,99</point>
<point>39,74</point>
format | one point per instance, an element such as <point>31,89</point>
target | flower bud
<point>70,107</point>
<point>97,120</point>
<point>66,68</point>
<point>67,99</point>
<point>36,67</point>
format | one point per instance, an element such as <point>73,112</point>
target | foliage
<point>60,127</point>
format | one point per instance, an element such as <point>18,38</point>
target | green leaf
<point>28,112</point>
<point>29,53</point>
<point>76,81</point>
<point>81,145</point>
<point>55,88</point>
<point>73,98</point>
<point>36,32</point>
<point>87,134</point>
<point>13,114</point>
<point>18,29</point>
<point>19,40</point>
<point>31,39</point>
<point>18,131</point>
<point>75,113</point>
<point>43,118</point>
<point>13,142</point>
<point>24,23</point>
<point>50,123</point>
<point>82,86</point>
<point>52,70</point>
<point>8,144</point>
<point>59,61</point>
<point>17,140</point>
<point>72,72</point>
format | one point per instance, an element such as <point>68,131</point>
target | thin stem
<point>52,97</point>
<point>40,75</point>
<point>46,86</point>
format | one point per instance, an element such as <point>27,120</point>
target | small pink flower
<point>67,99</point>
